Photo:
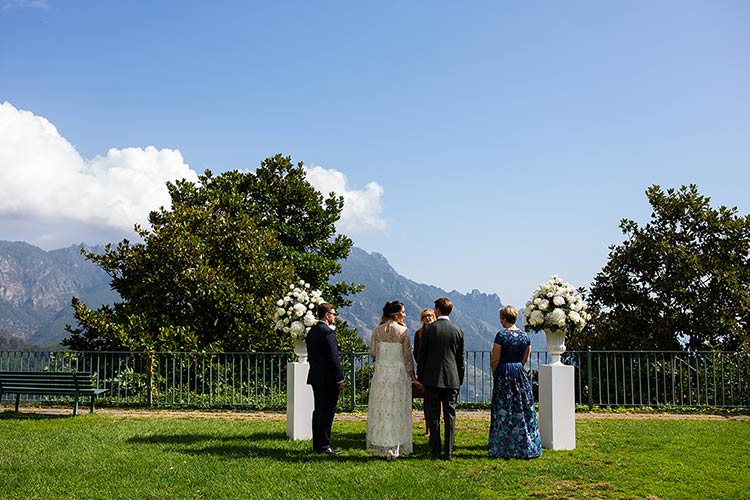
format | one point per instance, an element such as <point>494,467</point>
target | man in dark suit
<point>441,370</point>
<point>325,377</point>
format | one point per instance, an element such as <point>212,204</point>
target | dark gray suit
<point>441,370</point>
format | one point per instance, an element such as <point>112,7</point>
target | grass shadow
<point>197,438</point>
<point>20,415</point>
<point>271,445</point>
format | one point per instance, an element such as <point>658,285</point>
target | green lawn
<point>103,456</point>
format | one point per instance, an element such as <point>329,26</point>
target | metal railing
<point>258,380</point>
<point>662,378</point>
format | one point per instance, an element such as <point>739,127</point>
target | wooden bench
<point>74,384</point>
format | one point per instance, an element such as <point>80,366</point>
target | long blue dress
<point>514,431</point>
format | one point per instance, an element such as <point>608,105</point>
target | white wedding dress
<point>389,410</point>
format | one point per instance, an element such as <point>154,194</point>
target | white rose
<point>543,305</point>
<point>280,312</point>
<point>536,318</point>
<point>309,319</point>
<point>537,301</point>
<point>557,317</point>
<point>280,302</point>
<point>575,317</point>
<point>297,328</point>
<point>558,300</point>
<point>299,310</point>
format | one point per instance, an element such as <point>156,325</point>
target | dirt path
<point>260,415</point>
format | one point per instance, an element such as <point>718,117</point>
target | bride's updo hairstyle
<point>392,308</point>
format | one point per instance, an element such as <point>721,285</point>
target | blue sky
<point>479,144</point>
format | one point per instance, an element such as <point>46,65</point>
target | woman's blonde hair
<point>509,314</point>
<point>425,312</point>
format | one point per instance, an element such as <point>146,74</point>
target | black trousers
<point>445,398</point>
<point>326,397</point>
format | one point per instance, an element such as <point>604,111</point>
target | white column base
<point>299,401</point>
<point>557,407</point>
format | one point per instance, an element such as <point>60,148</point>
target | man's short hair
<point>324,309</point>
<point>445,306</point>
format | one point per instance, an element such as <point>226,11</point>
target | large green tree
<point>680,281</point>
<point>212,265</point>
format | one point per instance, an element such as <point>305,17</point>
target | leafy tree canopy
<point>212,266</point>
<point>680,281</point>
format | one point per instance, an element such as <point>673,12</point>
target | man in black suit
<point>325,377</point>
<point>441,370</point>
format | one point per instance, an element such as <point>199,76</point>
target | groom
<point>325,377</point>
<point>441,370</point>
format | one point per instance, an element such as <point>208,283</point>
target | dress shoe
<point>330,451</point>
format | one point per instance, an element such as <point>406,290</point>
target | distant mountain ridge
<point>475,312</point>
<point>36,288</point>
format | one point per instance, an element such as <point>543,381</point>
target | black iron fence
<point>258,380</point>
<point>660,378</point>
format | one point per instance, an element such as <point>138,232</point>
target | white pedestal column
<point>299,401</point>
<point>557,407</point>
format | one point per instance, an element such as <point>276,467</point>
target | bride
<point>389,422</point>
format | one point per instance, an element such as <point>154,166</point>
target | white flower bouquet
<point>296,311</point>
<point>555,305</point>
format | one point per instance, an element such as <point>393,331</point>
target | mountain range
<point>36,287</point>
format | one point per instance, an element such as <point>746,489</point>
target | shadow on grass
<point>271,445</point>
<point>197,438</point>
<point>18,415</point>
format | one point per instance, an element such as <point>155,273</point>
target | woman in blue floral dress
<point>514,431</point>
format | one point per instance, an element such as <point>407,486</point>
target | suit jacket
<point>441,355</point>
<point>417,340</point>
<point>323,356</point>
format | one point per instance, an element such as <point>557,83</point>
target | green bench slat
<point>50,383</point>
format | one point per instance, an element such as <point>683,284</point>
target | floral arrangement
<point>296,311</point>
<point>555,305</point>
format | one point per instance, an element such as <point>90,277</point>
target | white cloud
<point>61,197</point>
<point>362,208</point>
<point>52,197</point>
<point>23,4</point>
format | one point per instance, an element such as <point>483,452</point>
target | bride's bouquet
<point>555,305</point>
<point>296,311</point>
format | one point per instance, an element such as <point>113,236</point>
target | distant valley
<point>36,288</point>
